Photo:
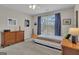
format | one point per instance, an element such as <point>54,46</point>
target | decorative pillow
<point>68,36</point>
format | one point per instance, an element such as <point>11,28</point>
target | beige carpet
<point>29,48</point>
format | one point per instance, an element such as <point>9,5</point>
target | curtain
<point>39,25</point>
<point>73,37</point>
<point>57,24</point>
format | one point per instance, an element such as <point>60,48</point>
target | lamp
<point>74,32</point>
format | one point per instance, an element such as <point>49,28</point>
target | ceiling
<point>40,8</point>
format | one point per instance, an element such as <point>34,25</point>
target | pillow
<point>68,36</point>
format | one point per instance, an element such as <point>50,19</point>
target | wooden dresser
<point>68,48</point>
<point>9,38</point>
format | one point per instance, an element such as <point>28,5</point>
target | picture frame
<point>26,23</point>
<point>66,21</point>
<point>11,22</point>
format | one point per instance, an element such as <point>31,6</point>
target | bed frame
<point>47,46</point>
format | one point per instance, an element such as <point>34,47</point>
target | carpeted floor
<point>29,48</point>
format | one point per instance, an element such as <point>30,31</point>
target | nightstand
<point>68,48</point>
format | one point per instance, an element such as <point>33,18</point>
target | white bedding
<point>51,37</point>
<point>57,39</point>
<point>53,41</point>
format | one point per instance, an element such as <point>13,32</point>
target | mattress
<point>48,43</point>
<point>56,39</point>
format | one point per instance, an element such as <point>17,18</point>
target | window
<point>47,25</point>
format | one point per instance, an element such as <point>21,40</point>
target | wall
<point>65,14</point>
<point>6,13</point>
<point>34,26</point>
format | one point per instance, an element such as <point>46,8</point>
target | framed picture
<point>26,23</point>
<point>11,22</point>
<point>66,21</point>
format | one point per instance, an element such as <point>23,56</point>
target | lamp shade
<point>74,31</point>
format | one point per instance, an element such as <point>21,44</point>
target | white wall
<point>65,14</point>
<point>6,13</point>
<point>34,26</point>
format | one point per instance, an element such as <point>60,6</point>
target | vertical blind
<point>47,25</point>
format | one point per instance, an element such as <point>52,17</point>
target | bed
<point>53,38</point>
<point>49,41</point>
